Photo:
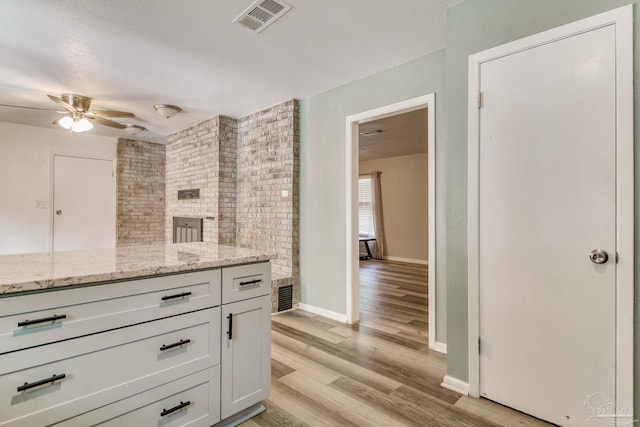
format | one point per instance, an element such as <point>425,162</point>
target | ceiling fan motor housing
<point>79,102</point>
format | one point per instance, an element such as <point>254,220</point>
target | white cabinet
<point>98,369</point>
<point>246,337</point>
<point>246,354</point>
<point>144,352</point>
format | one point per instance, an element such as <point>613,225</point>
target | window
<point>365,207</point>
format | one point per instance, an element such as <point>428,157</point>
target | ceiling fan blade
<point>106,122</point>
<point>111,113</point>
<point>32,108</point>
<point>62,103</point>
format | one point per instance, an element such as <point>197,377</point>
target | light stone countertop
<point>28,272</point>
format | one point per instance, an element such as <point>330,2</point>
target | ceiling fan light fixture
<point>81,125</point>
<point>75,124</point>
<point>66,122</point>
<point>134,129</point>
<point>166,110</point>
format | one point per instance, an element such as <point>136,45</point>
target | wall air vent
<point>285,298</point>
<point>261,14</point>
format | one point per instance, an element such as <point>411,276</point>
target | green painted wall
<point>473,26</point>
<point>323,263</point>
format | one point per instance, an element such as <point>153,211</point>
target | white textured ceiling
<point>130,54</point>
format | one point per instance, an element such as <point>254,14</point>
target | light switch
<point>285,193</point>
<point>41,204</point>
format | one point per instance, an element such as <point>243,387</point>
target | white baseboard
<point>407,260</point>
<point>456,385</point>
<point>323,312</point>
<point>440,347</point>
<point>284,311</point>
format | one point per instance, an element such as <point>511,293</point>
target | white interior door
<point>547,197</point>
<point>84,209</point>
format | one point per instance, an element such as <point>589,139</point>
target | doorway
<point>353,144</point>
<point>551,222</point>
<point>83,209</point>
<point>392,225</point>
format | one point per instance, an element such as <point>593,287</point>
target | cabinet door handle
<point>230,329</point>
<point>180,295</point>
<point>175,408</point>
<point>175,344</point>
<point>251,282</point>
<point>54,378</point>
<point>44,319</point>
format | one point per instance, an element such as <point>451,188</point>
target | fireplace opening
<point>187,230</point>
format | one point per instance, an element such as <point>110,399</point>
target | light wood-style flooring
<point>378,373</point>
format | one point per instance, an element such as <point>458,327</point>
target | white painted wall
<point>25,180</point>
<point>404,203</point>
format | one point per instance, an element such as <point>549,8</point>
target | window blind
<point>365,207</point>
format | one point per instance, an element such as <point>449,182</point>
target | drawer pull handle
<point>175,344</point>
<point>180,295</point>
<point>52,379</point>
<point>230,329</point>
<point>251,282</point>
<point>44,319</point>
<point>175,408</point>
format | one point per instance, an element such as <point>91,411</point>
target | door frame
<point>52,184</point>
<point>622,19</point>
<point>352,166</point>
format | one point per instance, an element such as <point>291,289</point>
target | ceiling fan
<point>78,117</point>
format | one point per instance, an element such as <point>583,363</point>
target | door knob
<point>58,212</point>
<point>598,256</point>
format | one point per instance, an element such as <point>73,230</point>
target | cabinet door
<point>246,354</point>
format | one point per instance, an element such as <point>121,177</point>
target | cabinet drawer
<point>246,281</point>
<point>100,369</point>
<point>201,390</point>
<point>98,308</point>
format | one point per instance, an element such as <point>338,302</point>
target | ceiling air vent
<point>262,13</point>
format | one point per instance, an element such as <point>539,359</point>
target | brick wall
<point>140,199</point>
<point>268,188</point>
<point>227,181</point>
<point>192,162</point>
<point>242,166</point>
